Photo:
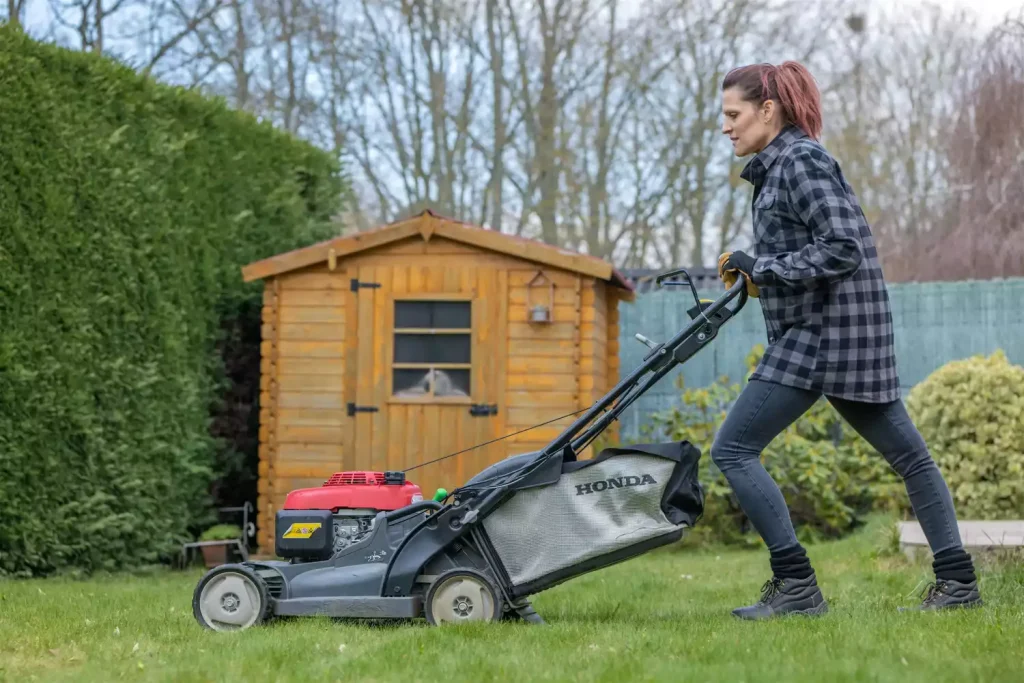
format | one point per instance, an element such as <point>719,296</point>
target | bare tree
<point>414,121</point>
<point>693,201</point>
<point>980,234</point>
<point>586,123</point>
<point>889,113</point>
<point>545,34</point>
<point>15,8</point>
<point>496,42</point>
<point>88,19</point>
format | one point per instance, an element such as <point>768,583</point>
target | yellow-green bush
<point>971,414</point>
<point>828,474</point>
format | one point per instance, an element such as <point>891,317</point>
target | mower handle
<point>662,359</point>
<point>412,509</point>
<point>730,294</point>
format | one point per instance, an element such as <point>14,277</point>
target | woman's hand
<point>732,261</point>
<point>738,260</point>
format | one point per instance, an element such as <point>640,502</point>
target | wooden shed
<point>393,347</point>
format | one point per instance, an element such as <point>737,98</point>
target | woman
<point>816,273</point>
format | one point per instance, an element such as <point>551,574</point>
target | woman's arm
<point>819,199</point>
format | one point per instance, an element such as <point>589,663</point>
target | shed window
<point>432,349</point>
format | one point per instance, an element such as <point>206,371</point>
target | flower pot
<point>215,554</point>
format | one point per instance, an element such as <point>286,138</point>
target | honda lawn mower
<point>377,550</point>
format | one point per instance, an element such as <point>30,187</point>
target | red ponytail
<point>790,84</point>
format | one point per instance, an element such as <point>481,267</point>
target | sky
<point>990,12</point>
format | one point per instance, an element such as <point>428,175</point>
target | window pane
<point>451,382</point>
<point>437,315</point>
<point>412,314</point>
<point>432,348</point>
<point>410,383</point>
<point>452,315</point>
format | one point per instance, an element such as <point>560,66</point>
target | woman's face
<point>745,123</point>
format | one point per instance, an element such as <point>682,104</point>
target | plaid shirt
<point>824,299</point>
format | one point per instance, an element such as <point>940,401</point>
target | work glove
<point>732,261</point>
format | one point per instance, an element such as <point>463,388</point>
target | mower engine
<point>317,523</point>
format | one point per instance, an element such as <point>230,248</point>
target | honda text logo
<point>616,483</point>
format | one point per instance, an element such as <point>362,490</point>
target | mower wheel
<point>462,595</point>
<point>231,597</point>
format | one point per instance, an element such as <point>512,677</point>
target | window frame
<point>390,350</point>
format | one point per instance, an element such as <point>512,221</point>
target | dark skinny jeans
<point>763,410</point>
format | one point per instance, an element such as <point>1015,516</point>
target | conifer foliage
<point>127,209</point>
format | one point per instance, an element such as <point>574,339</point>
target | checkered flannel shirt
<point>824,299</point>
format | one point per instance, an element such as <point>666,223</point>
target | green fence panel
<point>935,322</point>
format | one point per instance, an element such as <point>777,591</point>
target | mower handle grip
<point>738,289</point>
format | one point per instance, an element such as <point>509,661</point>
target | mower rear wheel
<point>230,597</point>
<point>460,596</point>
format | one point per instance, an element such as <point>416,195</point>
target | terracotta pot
<point>215,555</point>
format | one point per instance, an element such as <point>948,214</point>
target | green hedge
<point>126,211</point>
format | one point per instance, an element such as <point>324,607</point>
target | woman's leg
<point>762,411</point>
<point>889,429</point>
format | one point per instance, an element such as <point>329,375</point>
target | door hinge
<point>355,284</point>
<point>482,409</point>
<point>353,409</point>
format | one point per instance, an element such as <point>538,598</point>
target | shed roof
<point>428,224</point>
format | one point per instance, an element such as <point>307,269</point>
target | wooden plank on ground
<point>973,534</point>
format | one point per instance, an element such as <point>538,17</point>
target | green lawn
<point>664,616</point>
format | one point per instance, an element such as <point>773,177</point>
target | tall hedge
<point>126,211</point>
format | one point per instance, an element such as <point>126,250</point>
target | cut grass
<point>642,620</point>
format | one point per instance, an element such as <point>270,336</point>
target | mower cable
<point>480,445</point>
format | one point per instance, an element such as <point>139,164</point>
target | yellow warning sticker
<point>301,529</point>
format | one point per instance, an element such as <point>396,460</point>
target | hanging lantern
<point>540,312</point>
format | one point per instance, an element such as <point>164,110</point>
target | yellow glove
<point>729,276</point>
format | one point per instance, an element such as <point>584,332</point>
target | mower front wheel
<point>231,597</point>
<point>460,596</point>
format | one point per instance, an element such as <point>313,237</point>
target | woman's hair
<point>790,84</point>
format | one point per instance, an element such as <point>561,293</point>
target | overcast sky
<point>989,12</point>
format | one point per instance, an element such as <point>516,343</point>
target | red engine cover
<point>350,490</point>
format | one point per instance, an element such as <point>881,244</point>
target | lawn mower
<point>521,526</point>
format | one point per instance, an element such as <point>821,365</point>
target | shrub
<point>828,474</point>
<point>221,532</point>
<point>126,211</point>
<point>971,414</point>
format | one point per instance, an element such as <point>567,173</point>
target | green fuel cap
<point>440,495</point>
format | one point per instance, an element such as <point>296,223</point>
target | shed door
<point>426,368</point>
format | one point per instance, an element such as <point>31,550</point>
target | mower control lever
<point>653,346</point>
<point>645,341</point>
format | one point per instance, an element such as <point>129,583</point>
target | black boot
<point>780,596</point>
<point>946,594</point>
<point>956,584</point>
